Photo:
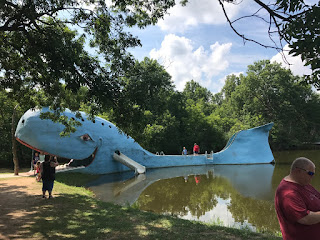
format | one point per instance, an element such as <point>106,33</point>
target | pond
<point>230,195</point>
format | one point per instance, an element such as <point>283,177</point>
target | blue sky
<point>196,42</point>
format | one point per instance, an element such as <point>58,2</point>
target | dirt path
<point>18,198</point>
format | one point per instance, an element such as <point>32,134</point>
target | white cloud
<point>296,65</point>
<point>194,13</point>
<point>184,63</point>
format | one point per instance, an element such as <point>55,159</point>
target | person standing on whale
<point>196,149</point>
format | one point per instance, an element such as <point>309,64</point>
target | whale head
<point>92,145</point>
<point>43,135</point>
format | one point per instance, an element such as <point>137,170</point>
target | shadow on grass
<point>75,179</point>
<point>75,216</point>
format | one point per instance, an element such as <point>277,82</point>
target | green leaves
<point>290,22</point>
<point>70,124</point>
<point>270,93</point>
<point>302,32</point>
<point>290,6</point>
<point>142,13</point>
<point>38,49</point>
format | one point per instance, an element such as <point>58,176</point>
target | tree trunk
<point>14,142</point>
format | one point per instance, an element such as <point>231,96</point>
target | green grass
<point>74,213</point>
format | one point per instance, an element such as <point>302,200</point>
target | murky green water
<point>231,195</point>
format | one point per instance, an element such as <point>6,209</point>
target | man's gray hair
<point>301,162</point>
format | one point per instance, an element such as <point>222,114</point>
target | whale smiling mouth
<point>82,162</point>
<point>74,163</point>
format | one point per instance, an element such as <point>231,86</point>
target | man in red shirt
<point>196,149</point>
<point>298,203</point>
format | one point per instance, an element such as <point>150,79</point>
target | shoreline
<point>28,216</point>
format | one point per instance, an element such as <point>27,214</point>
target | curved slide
<point>138,168</point>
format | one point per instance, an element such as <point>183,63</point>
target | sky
<point>195,42</point>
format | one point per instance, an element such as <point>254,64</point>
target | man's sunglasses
<point>308,172</point>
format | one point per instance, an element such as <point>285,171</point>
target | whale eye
<point>85,137</point>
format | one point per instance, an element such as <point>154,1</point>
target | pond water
<point>230,195</point>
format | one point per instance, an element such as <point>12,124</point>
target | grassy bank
<point>75,214</point>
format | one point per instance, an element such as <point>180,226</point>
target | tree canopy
<point>44,43</point>
<point>45,60</point>
<point>163,119</point>
<point>296,23</point>
<point>39,50</point>
<point>270,93</point>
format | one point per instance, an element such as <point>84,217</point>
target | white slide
<point>138,168</point>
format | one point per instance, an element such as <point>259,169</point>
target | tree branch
<point>271,12</point>
<point>241,35</point>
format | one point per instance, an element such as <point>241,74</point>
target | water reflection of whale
<point>249,180</point>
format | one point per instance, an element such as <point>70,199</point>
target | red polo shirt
<point>293,202</point>
<point>196,148</point>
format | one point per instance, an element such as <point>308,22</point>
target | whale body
<point>97,141</point>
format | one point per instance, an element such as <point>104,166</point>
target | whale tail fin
<point>249,146</point>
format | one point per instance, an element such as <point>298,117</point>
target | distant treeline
<point>160,118</point>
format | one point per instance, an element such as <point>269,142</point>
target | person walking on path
<point>48,172</point>
<point>297,203</point>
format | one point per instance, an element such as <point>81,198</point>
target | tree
<point>10,112</point>
<point>196,124</point>
<point>50,56</point>
<point>37,46</point>
<point>38,49</point>
<point>232,81</point>
<point>270,93</point>
<point>195,92</point>
<point>143,99</point>
<point>14,143</point>
<point>296,23</point>
<point>6,110</point>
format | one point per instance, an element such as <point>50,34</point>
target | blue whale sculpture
<point>101,148</point>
